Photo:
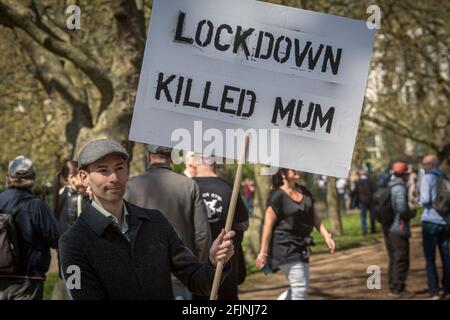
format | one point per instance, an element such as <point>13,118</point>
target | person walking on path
<point>289,220</point>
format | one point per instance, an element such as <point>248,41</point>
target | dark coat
<point>38,228</point>
<point>114,268</point>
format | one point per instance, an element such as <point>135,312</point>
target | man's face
<point>107,178</point>
<point>427,165</point>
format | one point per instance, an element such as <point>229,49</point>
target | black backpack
<point>9,245</point>
<point>384,213</point>
<point>442,202</point>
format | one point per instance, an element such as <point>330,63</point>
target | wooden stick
<point>230,215</point>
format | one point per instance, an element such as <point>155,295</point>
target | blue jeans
<point>436,235</point>
<point>364,209</point>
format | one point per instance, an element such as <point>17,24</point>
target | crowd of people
<point>393,199</point>
<point>160,235</point>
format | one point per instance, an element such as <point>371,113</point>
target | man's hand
<point>222,248</point>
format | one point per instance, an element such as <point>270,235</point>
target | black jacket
<point>68,208</point>
<point>114,268</point>
<point>38,228</point>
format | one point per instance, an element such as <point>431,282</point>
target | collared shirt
<point>124,226</point>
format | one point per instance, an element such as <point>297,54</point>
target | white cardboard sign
<point>248,64</point>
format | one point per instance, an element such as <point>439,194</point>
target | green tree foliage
<point>90,75</point>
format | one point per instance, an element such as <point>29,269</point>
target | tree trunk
<point>262,190</point>
<point>115,119</point>
<point>333,207</point>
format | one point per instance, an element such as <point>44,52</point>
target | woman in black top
<point>289,221</point>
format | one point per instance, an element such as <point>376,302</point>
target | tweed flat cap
<point>97,149</point>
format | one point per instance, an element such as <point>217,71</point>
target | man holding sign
<point>116,250</point>
<point>215,69</point>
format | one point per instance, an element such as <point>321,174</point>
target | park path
<point>343,275</point>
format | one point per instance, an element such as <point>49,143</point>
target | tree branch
<point>52,75</point>
<point>405,133</point>
<point>15,14</point>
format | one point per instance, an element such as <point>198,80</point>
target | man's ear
<point>84,176</point>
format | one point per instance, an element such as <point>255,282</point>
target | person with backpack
<point>394,214</point>
<point>28,230</point>
<point>435,198</point>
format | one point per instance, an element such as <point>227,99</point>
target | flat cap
<point>21,167</point>
<point>153,148</point>
<point>97,149</point>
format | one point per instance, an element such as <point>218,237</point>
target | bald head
<point>430,162</point>
<point>206,166</point>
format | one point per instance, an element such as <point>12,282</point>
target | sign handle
<point>230,215</point>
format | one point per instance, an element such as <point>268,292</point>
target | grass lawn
<point>352,236</point>
<point>49,283</point>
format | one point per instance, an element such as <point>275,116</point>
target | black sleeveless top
<point>295,222</point>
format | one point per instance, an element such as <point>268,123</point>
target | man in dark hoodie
<point>37,232</point>
<point>397,234</point>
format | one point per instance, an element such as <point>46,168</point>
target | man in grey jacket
<point>396,235</point>
<point>179,199</point>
